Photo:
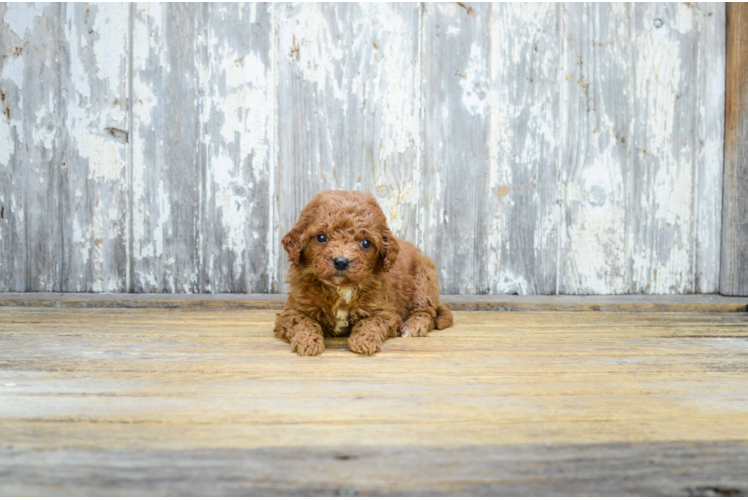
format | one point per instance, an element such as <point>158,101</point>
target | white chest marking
<point>345,293</point>
<point>342,320</point>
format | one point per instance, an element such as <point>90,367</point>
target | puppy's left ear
<point>389,249</point>
<point>293,242</point>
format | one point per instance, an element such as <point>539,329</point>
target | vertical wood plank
<point>517,209</point>
<point>349,107</point>
<point>661,212</point>
<point>734,262</point>
<point>710,113</point>
<point>455,83</point>
<point>165,162</point>
<point>94,109</point>
<point>237,96</point>
<point>31,250</point>
<point>597,93</point>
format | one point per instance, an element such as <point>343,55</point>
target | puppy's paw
<point>308,345</point>
<point>416,326</point>
<point>366,344</point>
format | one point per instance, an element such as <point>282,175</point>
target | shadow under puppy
<point>350,276</point>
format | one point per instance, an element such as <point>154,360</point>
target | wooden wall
<point>533,149</point>
<point>734,262</point>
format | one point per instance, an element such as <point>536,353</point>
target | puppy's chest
<point>344,314</point>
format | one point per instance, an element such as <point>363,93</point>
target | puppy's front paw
<point>308,344</point>
<point>364,343</point>
<point>416,326</point>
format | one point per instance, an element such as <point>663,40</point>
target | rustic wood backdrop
<point>566,148</point>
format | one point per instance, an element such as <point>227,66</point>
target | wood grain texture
<point>94,113</point>
<point>123,400</point>
<point>734,272</point>
<point>530,149</point>
<point>615,469</point>
<point>349,108</point>
<point>661,214</point>
<point>597,98</point>
<point>455,84</point>
<point>518,208</point>
<point>166,173</point>
<point>710,135</point>
<point>237,147</point>
<point>31,244</point>
<point>598,303</point>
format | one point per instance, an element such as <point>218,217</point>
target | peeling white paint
<point>112,38</point>
<point>669,202</point>
<point>369,78</point>
<point>13,68</point>
<point>684,17</point>
<point>232,208</point>
<point>474,82</point>
<point>21,16</point>
<point>7,144</point>
<point>306,41</point>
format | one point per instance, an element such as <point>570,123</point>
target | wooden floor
<point>206,402</point>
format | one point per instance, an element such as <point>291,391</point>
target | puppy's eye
<point>322,238</point>
<point>365,243</point>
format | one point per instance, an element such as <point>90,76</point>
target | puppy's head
<point>341,237</point>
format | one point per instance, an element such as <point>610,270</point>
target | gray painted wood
<point>517,238</point>
<point>734,277</point>
<point>531,149</point>
<point>710,139</point>
<point>166,177</point>
<point>349,109</point>
<point>678,468</point>
<point>662,211</point>
<point>237,147</point>
<point>455,86</point>
<point>31,246</point>
<point>226,301</point>
<point>597,101</point>
<point>94,135</point>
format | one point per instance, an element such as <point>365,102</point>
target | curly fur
<point>389,288</point>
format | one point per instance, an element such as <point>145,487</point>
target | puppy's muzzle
<point>341,263</point>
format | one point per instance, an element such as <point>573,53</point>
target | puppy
<point>350,276</point>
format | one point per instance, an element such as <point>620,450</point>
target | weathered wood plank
<point>137,401</point>
<point>604,303</point>
<point>680,468</point>
<point>662,177</point>
<point>709,109</point>
<point>455,86</point>
<point>597,92</point>
<point>219,379</point>
<point>734,262</point>
<point>238,138</point>
<point>166,177</point>
<point>517,209</point>
<point>31,246</point>
<point>94,109</point>
<point>349,108</point>
<point>509,169</point>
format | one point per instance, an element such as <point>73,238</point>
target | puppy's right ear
<point>294,242</point>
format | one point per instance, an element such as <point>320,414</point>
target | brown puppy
<point>350,275</point>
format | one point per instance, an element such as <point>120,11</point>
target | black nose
<point>341,263</point>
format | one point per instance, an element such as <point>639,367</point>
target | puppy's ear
<point>389,249</point>
<point>294,242</point>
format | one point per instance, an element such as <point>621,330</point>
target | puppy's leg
<point>418,324</point>
<point>304,334</point>
<point>369,334</point>
<point>423,314</point>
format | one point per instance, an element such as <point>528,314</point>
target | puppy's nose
<point>340,263</point>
